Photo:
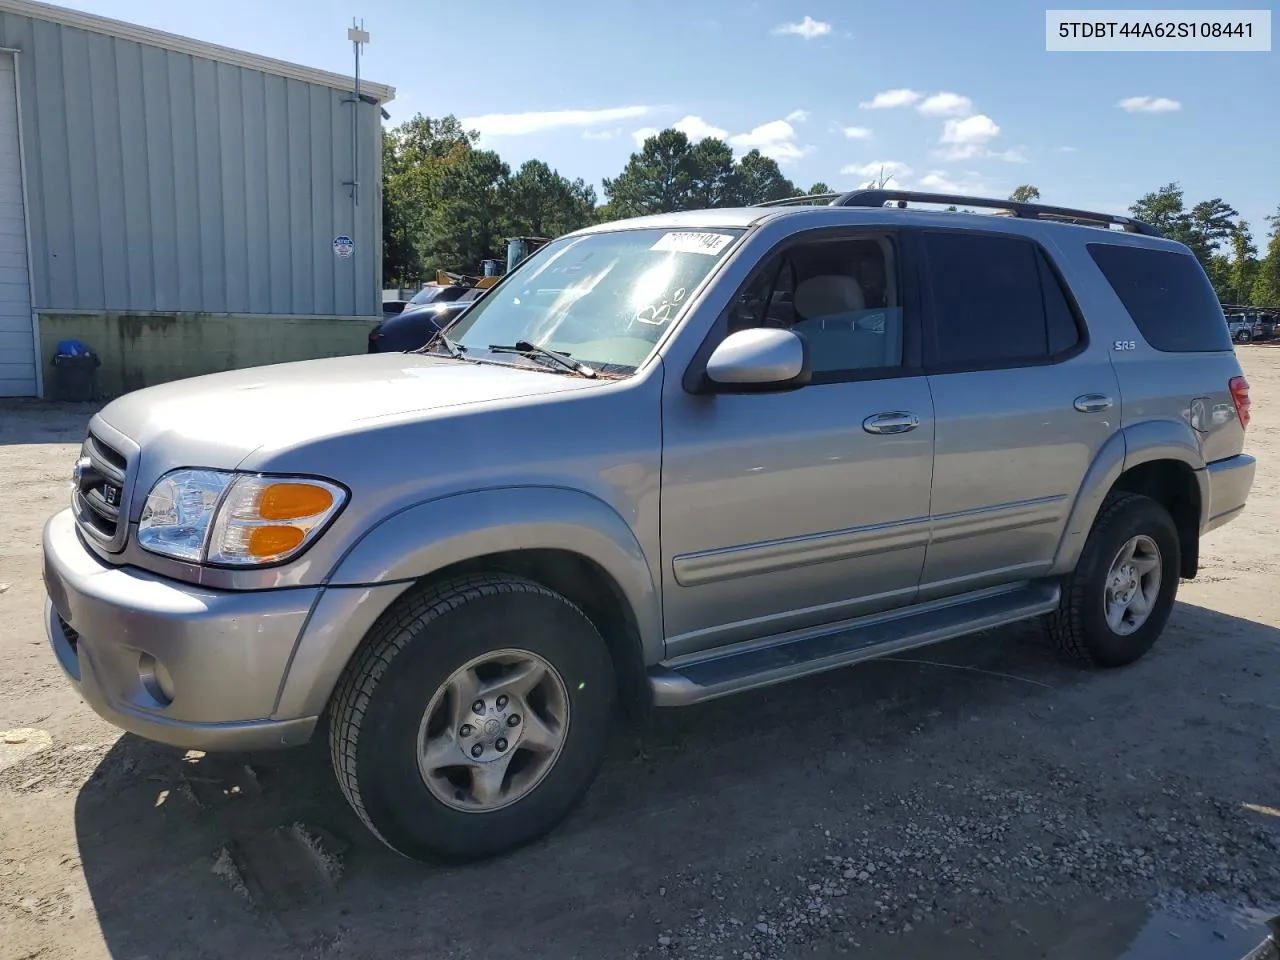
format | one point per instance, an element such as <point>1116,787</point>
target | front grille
<point>99,491</point>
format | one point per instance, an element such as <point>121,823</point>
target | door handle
<point>897,422</point>
<point>1092,403</point>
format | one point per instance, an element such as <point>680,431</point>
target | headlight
<point>212,516</point>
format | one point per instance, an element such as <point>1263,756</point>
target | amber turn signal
<point>293,501</point>
<point>273,541</point>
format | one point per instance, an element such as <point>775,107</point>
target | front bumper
<point>170,661</point>
<point>1230,481</point>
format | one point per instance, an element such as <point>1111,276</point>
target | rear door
<point>1023,402</point>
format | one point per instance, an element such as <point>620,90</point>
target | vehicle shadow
<point>258,855</point>
<point>25,422</point>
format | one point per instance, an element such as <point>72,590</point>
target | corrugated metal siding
<point>160,181</point>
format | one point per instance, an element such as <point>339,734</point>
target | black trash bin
<point>75,375</point>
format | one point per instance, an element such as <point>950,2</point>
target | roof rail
<point>1028,211</point>
<point>800,201</point>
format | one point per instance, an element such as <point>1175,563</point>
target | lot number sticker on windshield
<point>688,242</point>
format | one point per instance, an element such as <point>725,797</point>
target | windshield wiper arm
<point>455,349</point>
<point>526,348</point>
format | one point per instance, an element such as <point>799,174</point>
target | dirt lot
<point>979,799</point>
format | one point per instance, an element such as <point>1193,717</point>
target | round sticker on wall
<point>344,247</point>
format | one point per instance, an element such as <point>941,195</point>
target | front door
<point>789,509</point>
<point>1024,403</point>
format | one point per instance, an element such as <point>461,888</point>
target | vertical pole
<point>355,126</point>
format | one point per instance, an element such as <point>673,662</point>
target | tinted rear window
<point>1168,296</point>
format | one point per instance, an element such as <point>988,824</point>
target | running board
<point>761,663</point>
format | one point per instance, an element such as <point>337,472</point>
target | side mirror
<point>763,358</point>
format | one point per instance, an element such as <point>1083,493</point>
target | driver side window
<point>840,295</point>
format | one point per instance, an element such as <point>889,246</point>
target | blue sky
<point>944,95</point>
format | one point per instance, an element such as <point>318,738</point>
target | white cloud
<point>520,124</point>
<point>1067,149</point>
<point>695,128</point>
<point>613,134</point>
<point>798,116</point>
<point>975,130</point>
<point>940,181</point>
<point>896,169</point>
<point>1149,105</point>
<point>946,105</point>
<point>1012,155</point>
<point>808,28</point>
<point>856,133</point>
<point>776,139</point>
<point>888,99</point>
<point>643,134</point>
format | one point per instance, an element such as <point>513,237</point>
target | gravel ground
<point>976,799</point>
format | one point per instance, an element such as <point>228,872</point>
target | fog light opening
<point>155,679</point>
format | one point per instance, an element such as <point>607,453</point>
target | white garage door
<point>17,346</point>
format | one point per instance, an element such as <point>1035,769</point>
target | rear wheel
<point>474,718</point>
<point>1118,600</point>
<point>1243,336</point>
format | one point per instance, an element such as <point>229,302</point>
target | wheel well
<point>594,591</point>
<point>1173,485</point>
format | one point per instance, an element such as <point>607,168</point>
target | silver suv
<point>664,460</point>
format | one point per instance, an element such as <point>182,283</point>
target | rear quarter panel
<point>1188,392</point>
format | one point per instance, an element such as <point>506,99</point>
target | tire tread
<point>389,636</point>
<point>1067,626</point>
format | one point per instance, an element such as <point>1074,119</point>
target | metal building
<point>159,194</point>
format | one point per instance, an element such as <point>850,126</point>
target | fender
<point>424,538</point>
<point>429,536</point>
<point>1128,447</point>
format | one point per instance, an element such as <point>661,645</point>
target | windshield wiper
<point>525,348</point>
<point>455,349</point>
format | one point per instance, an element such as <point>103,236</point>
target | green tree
<point>1266,283</point>
<point>415,158</point>
<point>1025,194</point>
<point>542,203</point>
<point>1164,210</point>
<point>1202,229</point>
<point>400,263</point>
<point>1212,222</point>
<point>465,225</point>
<point>1244,264</point>
<point>760,180</point>
<point>656,179</point>
<point>713,179</point>
<point>820,187</point>
<point>668,173</point>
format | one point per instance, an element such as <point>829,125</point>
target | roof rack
<point>801,201</point>
<point>1028,211</point>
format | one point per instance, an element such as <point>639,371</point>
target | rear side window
<point>1168,296</point>
<point>996,302</point>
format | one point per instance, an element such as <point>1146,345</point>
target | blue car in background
<point>421,318</point>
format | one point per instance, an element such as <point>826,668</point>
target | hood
<point>219,419</point>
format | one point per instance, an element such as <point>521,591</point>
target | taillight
<point>1240,394</point>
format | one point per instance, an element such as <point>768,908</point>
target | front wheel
<point>1244,336</point>
<point>1116,602</point>
<point>473,719</point>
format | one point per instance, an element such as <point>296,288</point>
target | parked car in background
<point>1241,329</point>
<point>412,328</point>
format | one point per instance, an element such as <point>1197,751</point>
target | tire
<point>383,710</point>
<point>1079,627</point>
<point>1244,336</point>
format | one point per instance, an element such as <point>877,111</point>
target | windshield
<point>605,299</point>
